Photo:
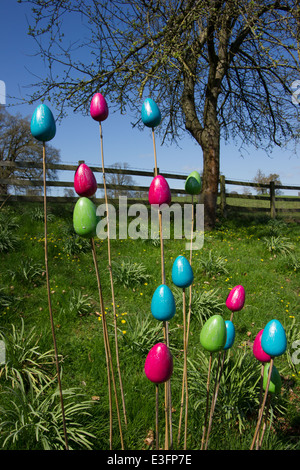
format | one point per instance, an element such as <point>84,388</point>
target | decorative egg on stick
<point>42,125</point>
<point>183,276</point>
<point>212,339</point>
<point>230,337</point>
<point>99,112</point>
<point>159,193</point>
<point>273,343</point>
<point>84,218</point>
<point>236,299</point>
<point>85,223</point>
<point>85,183</point>
<point>264,358</point>
<point>193,183</point>
<point>158,369</point>
<point>43,129</point>
<point>163,305</point>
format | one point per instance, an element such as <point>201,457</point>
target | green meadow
<point>261,254</point>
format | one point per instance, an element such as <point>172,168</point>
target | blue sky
<point>77,136</point>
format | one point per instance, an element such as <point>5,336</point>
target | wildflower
<point>124,332</point>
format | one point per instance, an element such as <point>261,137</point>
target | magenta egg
<point>258,351</point>
<point>236,299</point>
<point>159,364</point>
<point>98,107</point>
<point>159,191</point>
<point>85,183</point>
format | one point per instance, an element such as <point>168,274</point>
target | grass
<point>236,252</point>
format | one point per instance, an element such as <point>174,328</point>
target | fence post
<point>223,196</point>
<point>272,199</point>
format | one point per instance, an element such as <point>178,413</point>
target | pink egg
<point>98,107</point>
<point>159,364</point>
<point>159,191</point>
<point>236,299</point>
<point>85,183</point>
<point>258,351</point>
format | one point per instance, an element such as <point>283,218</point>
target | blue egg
<point>273,338</point>
<point>182,273</point>
<point>42,124</point>
<point>163,303</point>
<point>151,116</point>
<point>230,334</point>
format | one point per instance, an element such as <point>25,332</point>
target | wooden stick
<point>214,397</point>
<point>265,421</point>
<point>219,371</point>
<point>168,399</point>
<point>156,417</point>
<point>184,381</point>
<point>207,401</point>
<point>49,302</point>
<point>106,338</point>
<point>263,405</point>
<point>112,282</point>
<point>260,396</point>
<point>185,340</point>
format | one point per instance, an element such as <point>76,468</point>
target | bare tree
<point>18,145</point>
<point>119,179</point>
<point>217,69</point>
<point>261,178</point>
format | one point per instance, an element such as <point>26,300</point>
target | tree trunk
<point>208,137</point>
<point>210,143</point>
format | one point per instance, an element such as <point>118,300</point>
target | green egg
<point>193,183</point>
<point>84,218</point>
<point>275,382</point>
<point>213,334</point>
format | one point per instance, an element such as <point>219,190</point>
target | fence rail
<point>226,201</point>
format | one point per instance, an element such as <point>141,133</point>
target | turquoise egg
<point>151,116</point>
<point>230,334</point>
<point>213,334</point>
<point>84,218</point>
<point>163,303</point>
<point>42,124</point>
<point>182,273</point>
<point>273,338</point>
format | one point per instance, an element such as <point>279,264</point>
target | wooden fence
<point>226,201</point>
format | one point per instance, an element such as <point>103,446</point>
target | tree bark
<point>208,137</point>
<point>210,143</point>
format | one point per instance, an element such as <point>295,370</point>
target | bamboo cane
<point>207,401</point>
<point>106,340</point>
<point>111,280</point>
<point>168,404</point>
<point>263,405</point>
<point>49,301</point>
